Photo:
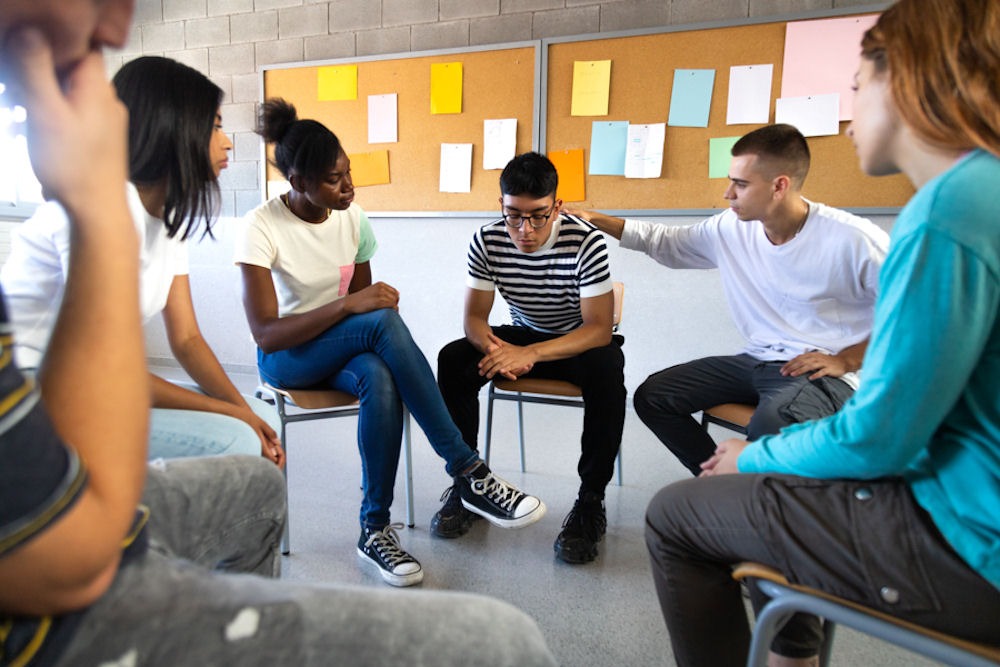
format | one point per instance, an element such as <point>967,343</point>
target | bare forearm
<point>97,349</point>
<point>477,331</point>
<point>853,356</point>
<point>281,333</point>
<point>201,364</point>
<point>578,341</point>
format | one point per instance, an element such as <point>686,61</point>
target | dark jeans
<point>865,541</point>
<point>599,372</point>
<point>666,400</point>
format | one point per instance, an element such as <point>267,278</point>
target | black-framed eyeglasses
<point>536,220</point>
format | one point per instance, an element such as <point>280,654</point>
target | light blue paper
<point>608,142</point>
<point>691,97</point>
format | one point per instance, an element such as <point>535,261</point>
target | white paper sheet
<point>382,119</point>
<point>644,155</point>
<point>813,115</point>
<point>499,142</point>
<point>456,168</point>
<point>749,94</point>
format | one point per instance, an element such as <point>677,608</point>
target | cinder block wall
<point>230,39</point>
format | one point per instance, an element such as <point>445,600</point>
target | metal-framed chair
<point>734,416</point>
<point>538,390</point>
<point>788,599</point>
<point>311,404</point>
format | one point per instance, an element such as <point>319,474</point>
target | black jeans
<point>599,372</point>
<point>666,400</point>
<point>865,541</point>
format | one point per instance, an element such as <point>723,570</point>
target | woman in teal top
<point>891,502</point>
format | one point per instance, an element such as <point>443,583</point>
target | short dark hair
<point>171,109</point>
<point>529,174</point>
<point>780,144</point>
<point>305,146</point>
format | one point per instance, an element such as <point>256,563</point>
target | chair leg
<point>520,427</point>
<point>489,426</point>
<point>408,463</point>
<point>286,536</point>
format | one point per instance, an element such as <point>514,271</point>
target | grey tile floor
<point>601,614</point>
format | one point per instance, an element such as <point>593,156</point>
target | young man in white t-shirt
<point>800,279</point>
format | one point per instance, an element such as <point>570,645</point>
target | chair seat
<point>315,399</point>
<point>739,414</point>
<point>538,386</point>
<point>860,617</point>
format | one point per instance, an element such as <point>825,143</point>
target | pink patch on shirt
<point>346,273</point>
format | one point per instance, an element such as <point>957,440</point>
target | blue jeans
<point>372,356</point>
<point>193,599</point>
<point>179,433</point>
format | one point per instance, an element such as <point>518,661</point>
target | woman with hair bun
<point>891,502</point>
<point>177,149</point>
<point>320,322</point>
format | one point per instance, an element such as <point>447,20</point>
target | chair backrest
<point>619,291</point>
<point>925,641</point>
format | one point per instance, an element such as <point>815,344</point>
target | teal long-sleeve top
<point>928,408</point>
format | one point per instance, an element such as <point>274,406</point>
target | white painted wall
<point>670,316</point>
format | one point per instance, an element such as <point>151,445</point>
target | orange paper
<point>370,168</point>
<point>569,166</point>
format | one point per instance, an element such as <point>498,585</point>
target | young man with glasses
<point>552,270</point>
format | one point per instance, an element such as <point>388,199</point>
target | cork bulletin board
<point>533,83</point>
<point>498,83</point>
<point>642,69</point>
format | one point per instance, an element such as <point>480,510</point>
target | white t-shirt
<point>311,263</point>
<point>815,292</point>
<point>34,276</point>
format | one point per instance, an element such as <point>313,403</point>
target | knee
<point>454,360</point>
<point>377,385</point>
<point>259,481</point>
<point>389,322</point>
<point>654,397</point>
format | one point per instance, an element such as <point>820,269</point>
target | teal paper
<point>691,97</point>
<point>719,156</point>
<point>608,141</point>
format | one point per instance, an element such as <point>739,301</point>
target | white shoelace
<point>386,542</point>
<point>496,489</point>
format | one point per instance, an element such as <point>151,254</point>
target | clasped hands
<point>502,358</point>
<point>723,461</point>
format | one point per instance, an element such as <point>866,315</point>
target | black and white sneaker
<point>381,548</point>
<point>497,501</point>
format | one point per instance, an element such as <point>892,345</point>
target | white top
<point>34,275</point>
<point>311,263</point>
<point>815,292</point>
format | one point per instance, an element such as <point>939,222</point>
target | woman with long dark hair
<point>177,149</point>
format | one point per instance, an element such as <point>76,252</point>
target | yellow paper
<point>446,88</point>
<point>569,166</point>
<point>591,84</point>
<point>370,168</point>
<point>337,82</point>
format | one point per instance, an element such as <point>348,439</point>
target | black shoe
<point>452,520</point>
<point>583,528</point>
<point>497,501</point>
<point>381,548</point>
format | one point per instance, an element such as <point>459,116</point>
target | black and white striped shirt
<point>542,289</point>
